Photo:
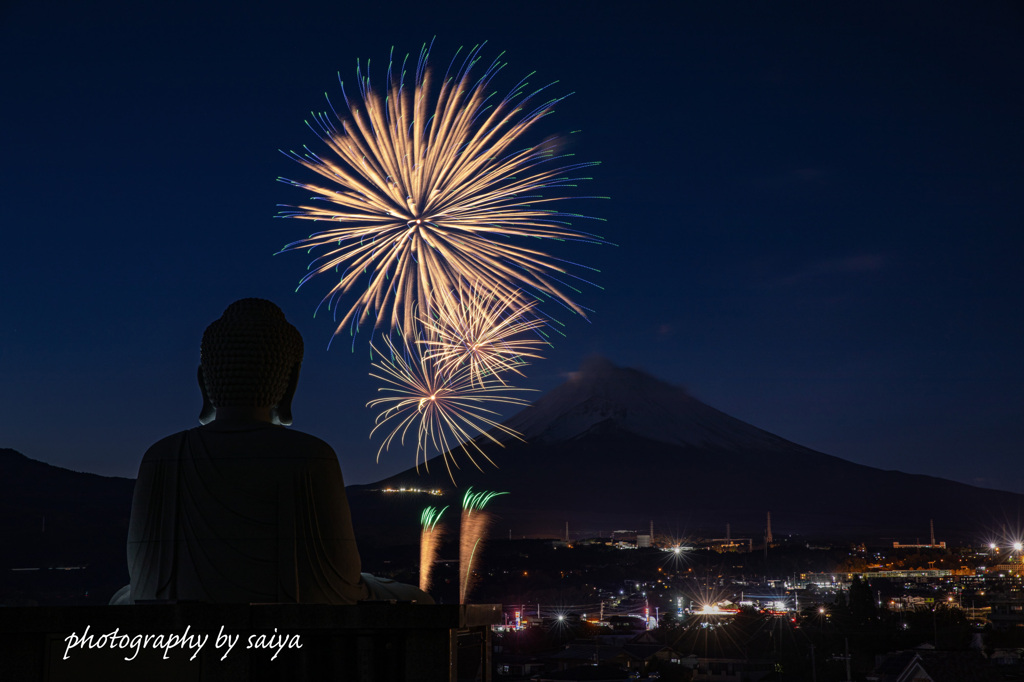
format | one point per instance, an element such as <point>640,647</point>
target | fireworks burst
<point>438,404</point>
<point>478,330</point>
<point>472,531</point>
<point>429,187</point>
<point>430,542</point>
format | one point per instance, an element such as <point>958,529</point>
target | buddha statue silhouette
<point>242,509</point>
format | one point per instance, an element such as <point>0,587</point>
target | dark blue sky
<point>817,211</point>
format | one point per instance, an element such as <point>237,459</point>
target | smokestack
<point>931,527</point>
<point>768,535</point>
<point>567,531</point>
<point>728,533</point>
<point>652,530</point>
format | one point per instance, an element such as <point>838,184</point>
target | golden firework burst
<point>447,410</point>
<point>482,332</point>
<point>432,187</point>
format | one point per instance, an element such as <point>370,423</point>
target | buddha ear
<point>209,412</point>
<point>282,412</point>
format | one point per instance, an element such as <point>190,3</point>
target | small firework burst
<point>448,410</point>
<point>481,331</point>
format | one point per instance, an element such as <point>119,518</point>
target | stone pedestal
<point>366,642</point>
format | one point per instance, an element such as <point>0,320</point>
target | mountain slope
<point>54,519</point>
<point>616,448</point>
<point>601,395</point>
<point>56,514</point>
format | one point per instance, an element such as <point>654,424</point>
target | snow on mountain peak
<point>601,397</point>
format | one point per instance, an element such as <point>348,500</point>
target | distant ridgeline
<point>64,531</point>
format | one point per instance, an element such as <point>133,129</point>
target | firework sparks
<point>472,531</point>
<point>477,330</point>
<point>440,405</point>
<point>430,542</point>
<point>430,186</point>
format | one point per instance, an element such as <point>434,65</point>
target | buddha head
<point>249,361</point>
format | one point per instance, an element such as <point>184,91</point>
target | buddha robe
<point>242,512</point>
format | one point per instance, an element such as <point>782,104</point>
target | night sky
<point>817,212</point>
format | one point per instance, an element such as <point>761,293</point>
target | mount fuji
<point>615,448</point>
<point>602,397</point>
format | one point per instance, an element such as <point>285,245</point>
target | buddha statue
<point>242,509</point>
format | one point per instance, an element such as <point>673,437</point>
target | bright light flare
<point>676,553</point>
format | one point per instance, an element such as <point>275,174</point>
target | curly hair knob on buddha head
<point>249,354</point>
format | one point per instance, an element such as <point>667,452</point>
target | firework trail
<point>430,542</point>
<point>472,531</point>
<point>477,329</point>
<point>430,186</point>
<point>437,404</point>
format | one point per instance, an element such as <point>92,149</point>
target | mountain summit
<point>617,448</point>
<point>601,397</point>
